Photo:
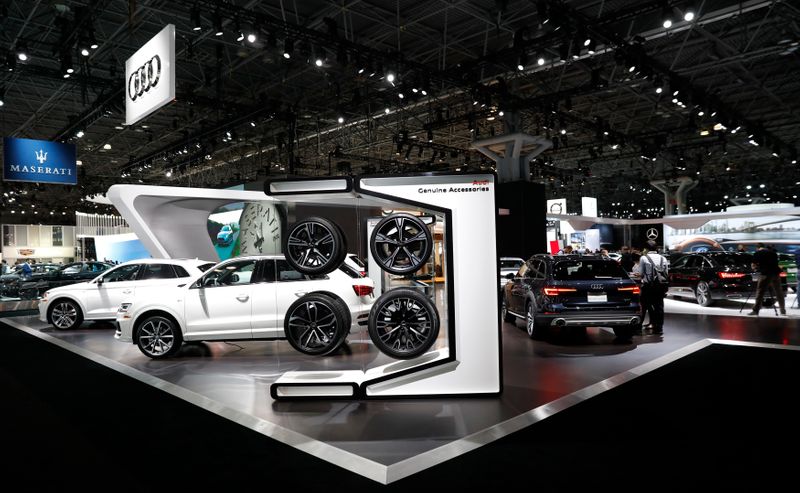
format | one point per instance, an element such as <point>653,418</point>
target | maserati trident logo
<point>41,156</point>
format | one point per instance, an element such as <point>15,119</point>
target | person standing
<point>625,260</point>
<point>651,268</point>
<point>765,261</point>
<point>26,270</point>
<point>567,250</point>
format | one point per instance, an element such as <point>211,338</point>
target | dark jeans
<point>772,283</point>
<point>653,305</point>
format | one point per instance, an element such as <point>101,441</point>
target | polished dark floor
<point>720,418</point>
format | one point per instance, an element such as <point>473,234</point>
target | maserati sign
<point>39,161</point>
<point>150,76</point>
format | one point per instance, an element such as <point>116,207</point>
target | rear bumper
<point>590,319</point>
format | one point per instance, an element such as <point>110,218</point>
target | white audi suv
<point>249,298</point>
<point>66,307</point>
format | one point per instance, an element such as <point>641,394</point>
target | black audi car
<point>559,293</point>
<point>46,276</point>
<point>710,276</point>
<point>15,285</point>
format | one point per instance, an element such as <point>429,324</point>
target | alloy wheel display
<point>401,243</point>
<point>316,324</point>
<point>315,246</point>
<point>403,323</point>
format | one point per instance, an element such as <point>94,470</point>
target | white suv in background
<point>66,307</point>
<point>249,298</point>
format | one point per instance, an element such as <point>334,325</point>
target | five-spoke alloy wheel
<point>403,323</point>
<point>401,243</point>
<point>315,246</point>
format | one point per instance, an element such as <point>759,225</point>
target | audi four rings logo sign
<point>150,76</point>
<point>144,78</point>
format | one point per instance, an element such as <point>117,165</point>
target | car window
<point>122,273</point>
<point>694,262</point>
<point>205,267</point>
<point>586,270</point>
<point>734,260</point>
<point>680,263</point>
<point>231,274</point>
<point>510,263</point>
<point>357,261</point>
<point>158,271</point>
<point>286,272</point>
<point>180,271</point>
<point>72,268</point>
<point>94,267</point>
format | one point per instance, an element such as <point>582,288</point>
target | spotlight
<point>168,173</point>
<point>217,24</point>
<point>92,40</point>
<point>84,51</point>
<point>689,13</point>
<point>288,48</point>
<point>22,51</point>
<point>79,134</point>
<point>591,48</point>
<point>318,62</point>
<point>196,24</point>
<point>666,14</point>
<point>540,60</point>
<point>386,110</point>
<point>340,119</point>
<point>251,38</point>
<point>390,77</point>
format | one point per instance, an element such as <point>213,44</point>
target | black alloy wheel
<point>531,326</point>
<point>315,246</point>
<point>702,293</point>
<point>403,323</point>
<point>159,337</point>
<point>401,243</point>
<point>316,324</point>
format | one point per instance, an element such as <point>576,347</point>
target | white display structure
<point>471,362</point>
<point>171,222</point>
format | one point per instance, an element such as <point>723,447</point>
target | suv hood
<point>69,287</point>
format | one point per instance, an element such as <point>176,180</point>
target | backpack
<point>660,276</point>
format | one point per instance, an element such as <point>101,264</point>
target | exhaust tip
<point>560,322</point>
<point>634,321</point>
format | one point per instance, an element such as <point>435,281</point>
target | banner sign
<point>39,161</point>
<point>150,76</point>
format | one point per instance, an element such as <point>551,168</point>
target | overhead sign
<point>589,206</point>
<point>39,161</point>
<point>652,234</point>
<point>150,76</point>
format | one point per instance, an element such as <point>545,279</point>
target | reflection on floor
<point>389,439</point>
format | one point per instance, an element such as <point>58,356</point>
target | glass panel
<point>33,236</point>
<point>8,235</point>
<point>58,236</point>
<point>124,273</point>
<point>158,271</point>
<point>22,235</point>
<point>230,274</point>
<point>588,270</point>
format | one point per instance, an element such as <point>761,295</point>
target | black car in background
<point>558,293</point>
<point>710,276</point>
<point>63,275</point>
<point>14,285</point>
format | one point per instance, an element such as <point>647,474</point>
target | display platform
<point>386,440</point>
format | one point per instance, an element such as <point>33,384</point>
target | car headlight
<point>123,310</point>
<point>44,296</point>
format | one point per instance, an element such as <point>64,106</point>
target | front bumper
<point>43,311</point>
<point>124,330</point>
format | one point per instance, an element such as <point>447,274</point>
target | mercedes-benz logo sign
<point>652,234</point>
<point>144,78</point>
<point>556,207</point>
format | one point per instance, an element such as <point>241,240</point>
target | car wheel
<point>159,337</point>
<point>316,324</point>
<point>401,243</point>
<point>534,331</point>
<point>65,315</point>
<point>403,323</point>
<point>702,293</point>
<point>507,317</point>
<point>315,246</point>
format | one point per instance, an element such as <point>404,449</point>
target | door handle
<point>242,297</point>
<point>126,291</point>
<point>300,293</point>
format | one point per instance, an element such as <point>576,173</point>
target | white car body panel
<point>101,300</point>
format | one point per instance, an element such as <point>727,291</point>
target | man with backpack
<point>651,269</point>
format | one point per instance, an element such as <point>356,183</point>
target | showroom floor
<point>386,440</point>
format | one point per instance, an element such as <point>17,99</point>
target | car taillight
<point>362,290</point>
<point>632,289</point>
<point>783,274</point>
<point>551,291</point>
<point>730,275</point>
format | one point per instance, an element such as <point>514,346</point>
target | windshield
<point>587,270</point>
<point>511,263</point>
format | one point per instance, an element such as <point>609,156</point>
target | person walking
<point>652,269</point>
<point>765,261</point>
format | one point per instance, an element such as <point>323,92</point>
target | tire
<point>401,243</point>
<point>531,327</point>
<point>702,294</point>
<point>65,314</point>
<point>316,324</point>
<point>403,323</point>
<point>315,246</point>
<point>158,337</point>
<point>507,317</point>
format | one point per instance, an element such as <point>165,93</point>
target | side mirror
<point>235,278</point>
<point>510,276</point>
<point>100,281</point>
